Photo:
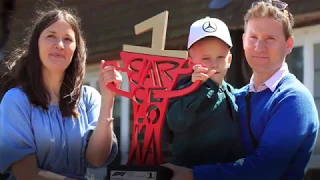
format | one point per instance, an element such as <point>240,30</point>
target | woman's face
<point>57,44</point>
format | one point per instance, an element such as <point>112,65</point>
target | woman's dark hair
<point>25,66</point>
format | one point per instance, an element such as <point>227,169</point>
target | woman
<point>52,126</point>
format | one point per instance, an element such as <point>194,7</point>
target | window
<point>307,51</point>
<point>306,47</point>
<point>295,62</point>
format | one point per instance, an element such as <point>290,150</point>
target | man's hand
<point>179,172</point>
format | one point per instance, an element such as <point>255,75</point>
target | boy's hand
<point>201,73</point>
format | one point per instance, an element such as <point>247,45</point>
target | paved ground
<point>97,174</point>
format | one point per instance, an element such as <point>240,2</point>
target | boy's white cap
<point>209,27</point>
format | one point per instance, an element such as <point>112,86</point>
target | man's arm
<point>293,124</point>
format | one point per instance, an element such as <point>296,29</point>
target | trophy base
<point>138,172</point>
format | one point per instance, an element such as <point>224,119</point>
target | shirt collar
<point>272,82</point>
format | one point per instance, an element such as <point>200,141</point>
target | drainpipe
<point>125,122</point>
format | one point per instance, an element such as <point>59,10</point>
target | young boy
<point>204,123</point>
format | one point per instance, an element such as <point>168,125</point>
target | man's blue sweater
<point>285,123</point>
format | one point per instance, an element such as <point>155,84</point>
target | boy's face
<point>214,54</point>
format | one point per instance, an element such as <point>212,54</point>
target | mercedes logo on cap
<point>209,27</point>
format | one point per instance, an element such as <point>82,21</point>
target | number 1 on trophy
<point>158,24</point>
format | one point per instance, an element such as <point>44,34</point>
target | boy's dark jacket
<point>203,125</point>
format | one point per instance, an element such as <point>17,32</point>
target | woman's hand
<point>108,74</point>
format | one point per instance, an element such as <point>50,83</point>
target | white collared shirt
<point>272,82</point>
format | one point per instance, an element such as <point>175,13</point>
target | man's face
<point>265,45</point>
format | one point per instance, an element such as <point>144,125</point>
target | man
<point>279,119</point>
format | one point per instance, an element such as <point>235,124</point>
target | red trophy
<point>152,73</point>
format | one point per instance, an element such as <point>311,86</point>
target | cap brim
<point>190,45</point>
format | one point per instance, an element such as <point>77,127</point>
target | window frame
<point>307,37</point>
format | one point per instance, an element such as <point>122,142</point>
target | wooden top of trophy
<point>158,25</point>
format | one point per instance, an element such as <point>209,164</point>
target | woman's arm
<point>102,146</point>
<point>26,168</point>
<point>17,144</point>
<point>101,140</point>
